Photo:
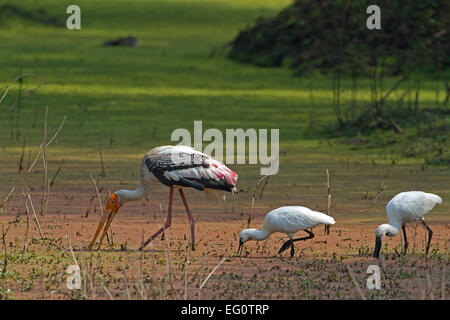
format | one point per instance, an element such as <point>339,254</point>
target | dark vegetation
<point>10,12</point>
<point>326,35</point>
<point>425,135</point>
<point>125,42</point>
<point>311,36</point>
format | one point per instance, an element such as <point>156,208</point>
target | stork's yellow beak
<point>111,209</point>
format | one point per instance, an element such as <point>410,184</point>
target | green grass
<point>135,97</point>
<point>167,82</point>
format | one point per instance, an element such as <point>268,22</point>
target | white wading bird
<point>173,166</point>
<point>287,220</point>
<point>406,207</point>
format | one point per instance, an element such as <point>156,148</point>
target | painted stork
<point>406,207</point>
<point>287,220</point>
<point>175,167</point>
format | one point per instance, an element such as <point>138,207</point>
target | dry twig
<point>7,198</point>
<point>35,216</point>
<point>327,226</point>
<point>5,259</point>
<point>250,217</point>
<point>352,276</point>
<point>211,273</point>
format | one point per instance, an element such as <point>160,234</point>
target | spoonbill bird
<point>289,220</point>
<point>174,166</point>
<point>406,207</point>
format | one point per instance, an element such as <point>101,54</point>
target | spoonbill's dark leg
<point>284,246</point>
<point>310,236</point>
<point>290,243</point>
<point>191,218</point>
<point>292,248</point>
<point>406,240</point>
<point>166,225</point>
<point>430,234</point>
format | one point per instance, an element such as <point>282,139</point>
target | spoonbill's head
<point>382,230</point>
<point>244,236</point>
<point>111,208</point>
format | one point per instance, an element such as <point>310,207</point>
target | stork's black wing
<point>161,164</point>
<point>193,170</point>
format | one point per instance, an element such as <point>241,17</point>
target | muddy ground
<point>327,267</point>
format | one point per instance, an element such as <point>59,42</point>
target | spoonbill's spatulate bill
<point>289,220</point>
<point>175,167</point>
<point>406,207</point>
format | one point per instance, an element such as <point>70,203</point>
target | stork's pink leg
<point>166,225</point>
<point>191,218</point>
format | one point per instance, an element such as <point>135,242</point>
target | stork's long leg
<point>430,235</point>
<point>191,218</point>
<point>406,240</point>
<point>166,225</point>
<point>290,243</point>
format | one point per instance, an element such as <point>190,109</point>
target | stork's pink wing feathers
<point>160,162</point>
<point>215,171</point>
<point>220,170</point>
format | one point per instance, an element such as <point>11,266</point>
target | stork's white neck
<point>258,235</point>
<point>131,195</point>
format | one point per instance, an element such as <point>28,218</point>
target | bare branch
<point>98,195</point>
<point>7,198</point>
<point>52,182</point>
<point>71,251</point>
<point>35,216</point>
<point>250,217</point>
<point>47,144</point>
<point>8,86</point>
<point>211,273</point>
<point>327,226</point>
<point>57,131</point>
<point>352,276</point>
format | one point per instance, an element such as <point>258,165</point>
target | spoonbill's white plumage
<point>406,207</point>
<point>289,220</point>
<point>175,167</point>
